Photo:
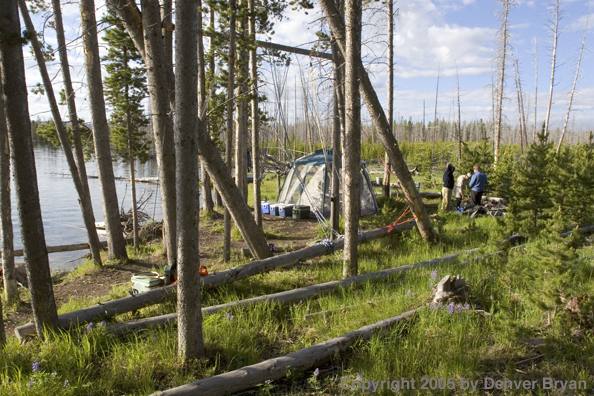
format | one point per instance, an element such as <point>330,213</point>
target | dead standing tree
<point>383,127</point>
<point>351,157</point>
<point>577,74</point>
<point>506,4</point>
<point>11,292</point>
<point>109,198</point>
<point>390,112</point>
<point>554,28</point>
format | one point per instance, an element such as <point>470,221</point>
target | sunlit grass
<point>435,343</point>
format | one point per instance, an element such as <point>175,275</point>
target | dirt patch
<point>282,232</point>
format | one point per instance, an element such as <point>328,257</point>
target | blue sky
<point>431,35</point>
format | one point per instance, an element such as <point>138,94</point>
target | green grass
<point>462,345</point>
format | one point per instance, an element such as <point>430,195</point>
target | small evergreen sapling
<point>531,196</point>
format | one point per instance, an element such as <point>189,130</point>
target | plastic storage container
<point>145,282</point>
<point>274,207</point>
<point>301,212</point>
<point>286,210</point>
<point>265,207</point>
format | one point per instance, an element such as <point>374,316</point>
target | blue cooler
<point>274,208</point>
<point>265,207</point>
<point>286,210</point>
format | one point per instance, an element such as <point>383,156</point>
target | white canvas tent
<point>315,174</point>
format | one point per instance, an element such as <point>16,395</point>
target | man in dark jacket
<point>448,186</point>
<point>477,184</point>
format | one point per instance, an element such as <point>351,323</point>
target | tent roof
<point>317,158</point>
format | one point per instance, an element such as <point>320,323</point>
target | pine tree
<point>502,177</point>
<point>580,200</point>
<point>531,198</point>
<point>125,89</point>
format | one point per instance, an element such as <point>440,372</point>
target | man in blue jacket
<point>477,184</point>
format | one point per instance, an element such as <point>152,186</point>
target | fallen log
<point>273,369</point>
<point>142,300</point>
<point>277,249</point>
<point>61,248</point>
<point>287,297</point>
<point>583,230</point>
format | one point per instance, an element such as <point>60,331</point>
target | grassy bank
<point>514,341</point>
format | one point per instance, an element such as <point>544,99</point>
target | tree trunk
<point>88,214</point>
<point>337,125</point>
<point>158,71</point>
<point>133,187</point>
<point>352,149</point>
<point>535,89</point>
<point>167,29</point>
<point>190,342</point>
<point>11,291</point>
<point>555,29</point>
<point>207,201</point>
<point>524,136</point>
<point>577,73</point>
<point>459,118</point>
<point>390,112</point>
<point>255,117</point>
<point>25,176</point>
<point>517,81</point>
<point>435,123</point>
<point>242,115</point>
<point>84,195</point>
<point>385,131</point>
<point>501,82</point>
<point>218,200</point>
<point>115,237</point>
<point>230,129</point>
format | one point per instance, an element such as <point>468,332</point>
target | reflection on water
<point>62,219</point>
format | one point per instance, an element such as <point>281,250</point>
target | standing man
<point>477,185</point>
<point>448,186</point>
<point>459,188</point>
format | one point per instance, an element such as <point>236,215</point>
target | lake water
<point>62,219</point>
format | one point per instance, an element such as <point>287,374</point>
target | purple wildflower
<point>432,307</point>
<point>229,316</point>
<point>272,247</point>
<point>431,285</point>
<point>491,297</point>
<point>451,308</point>
<point>66,384</point>
<point>53,375</point>
<point>576,333</point>
<point>459,307</point>
<point>103,323</point>
<point>317,372</point>
<point>31,382</point>
<point>434,274</point>
<point>467,306</point>
<point>440,306</point>
<point>409,293</point>
<point>35,366</point>
<point>90,327</point>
